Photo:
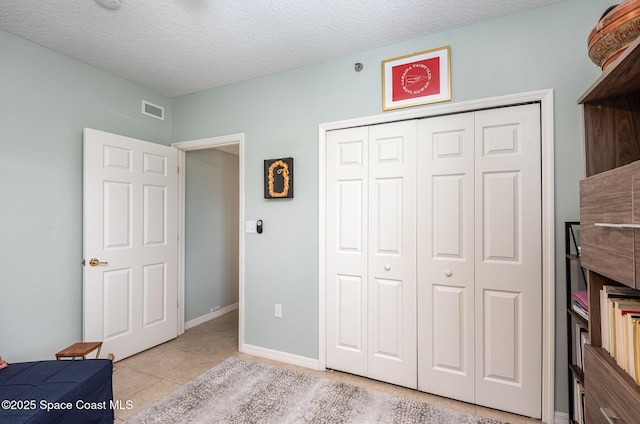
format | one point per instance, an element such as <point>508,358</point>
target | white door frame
<point>545,97</point>
<point>200,144</point>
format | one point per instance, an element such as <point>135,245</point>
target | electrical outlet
<point>278,311</point>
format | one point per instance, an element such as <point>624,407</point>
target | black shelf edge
<point>577,373</point>
<point>575,258</point>
<point>578,317</point>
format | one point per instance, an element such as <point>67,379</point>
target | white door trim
<point>200,144</point>
<point>545,97</point>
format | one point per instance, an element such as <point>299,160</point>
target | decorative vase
<point>618,27</point>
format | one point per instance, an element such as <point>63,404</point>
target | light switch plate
<point>250,227</point>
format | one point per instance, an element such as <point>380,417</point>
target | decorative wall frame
<point>278,178</point>
<point>416,79</point>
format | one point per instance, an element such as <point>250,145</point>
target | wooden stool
<point>79,350</point>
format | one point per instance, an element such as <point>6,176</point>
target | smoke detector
<point>109,4</point>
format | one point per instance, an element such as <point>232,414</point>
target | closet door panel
<point>387,313</point>
<point>346,250</point>
<point>502,315</point>
<point>449,311</point>
<point>448,201</point>
<point>389,214</point>
<point>501,228</point>
<point>508,260</point>
<point>445,256</point>
<point>392,253</point>
<point>349,303</point>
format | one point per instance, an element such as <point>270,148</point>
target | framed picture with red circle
<point>416,79</point>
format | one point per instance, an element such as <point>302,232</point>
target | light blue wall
<point>211,239</point>
<point>45,101</point>
<point>279,114</point>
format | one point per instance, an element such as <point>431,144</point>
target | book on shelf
<point>578,402</point>
<point>607,294</point>
<point>622,310</point>
<point>580,304</point>
<point>633,354</point>
<point>581,337</point>
<point>620,327</point>
<point>636,346</point>
<point>581,297</point>
<point>584,339</point>
<point>580,310</point>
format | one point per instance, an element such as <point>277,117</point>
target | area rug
<point>243,391</point>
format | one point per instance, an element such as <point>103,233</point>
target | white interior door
<point>508,232</point>
<point>370,259</point>
<point>130,227</point>
<point>446,256</point>
<point>347,249</point>
<point>480,263</point>
<point>392,253</point>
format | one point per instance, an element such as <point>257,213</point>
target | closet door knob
<point>448,273</point>
<point>387,267</point>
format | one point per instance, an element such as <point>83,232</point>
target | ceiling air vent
<point>152,110</point>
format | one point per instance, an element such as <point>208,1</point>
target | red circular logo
<point>416,79</point>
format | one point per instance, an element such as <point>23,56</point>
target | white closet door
<point>392,253</point>
<point>508,260</point>
<point>346,249</point>
<point>478,233</point>
<point>446,256</point>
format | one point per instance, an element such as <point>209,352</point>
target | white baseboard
<point>561,418</point>
<point>276,355</point>
<point>212,315</point>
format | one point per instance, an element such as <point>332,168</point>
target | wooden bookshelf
<point>610,225</point>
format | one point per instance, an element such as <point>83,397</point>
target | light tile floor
<point>142,379</point>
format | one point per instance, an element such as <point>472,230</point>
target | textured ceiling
<point>177,47</point>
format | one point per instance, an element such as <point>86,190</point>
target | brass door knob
<point>95,261</point>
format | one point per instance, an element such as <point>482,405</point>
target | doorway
<point>201,154</point>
